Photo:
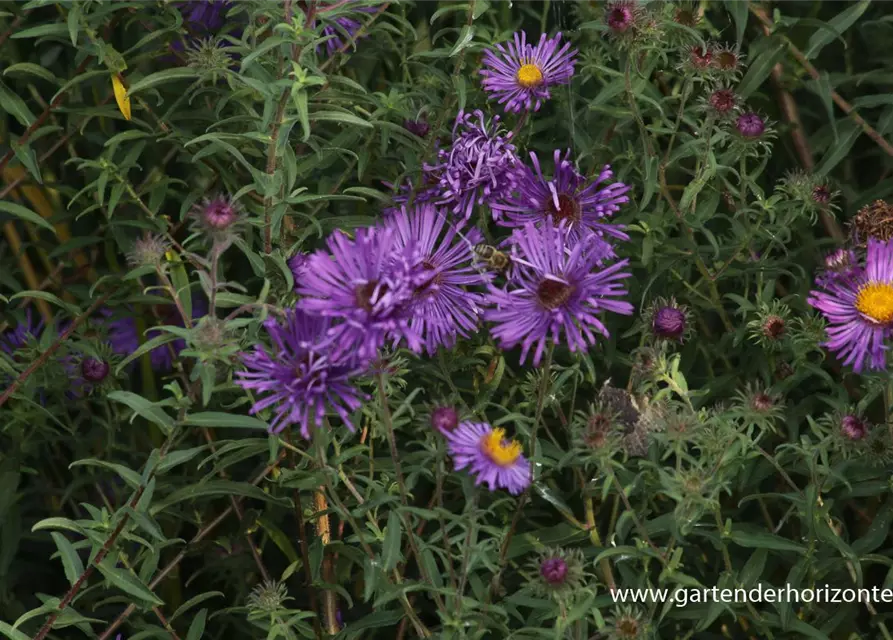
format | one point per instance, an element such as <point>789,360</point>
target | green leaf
<point>25,154</point>
<point>176,458</point>
<point>168,75</point>
<point>29,68</point>
<point>129,476</point>
<point>208,489</point>
<point>764,540</point>
<point>128,583</point>
<point>144,408</point>
<point>217,419</point>
<point>48,297</point>
<point>197,628</point>
<point>339,116</point>
<point>465,38</point>
<point>186,606</point>
<point>71,562</point>
<point>838,151</point>
<point>760,68</point>
<point>15,106</point>
<point>299,97</point>
<point>58,523</point>
<point>822,87</point>
<point>25,214</point>
<point>451,8</point>
<point>9,632</point>
<point>148,345</point>
<point>740,14</point>
<point>878,531</point>
<point>51,29</point>
<point>390,550</point>
<point>839,23</point>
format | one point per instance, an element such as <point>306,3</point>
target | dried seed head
<point>874,220</point>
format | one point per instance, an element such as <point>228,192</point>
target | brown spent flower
<point>774,327</point>
<point>874,220</point>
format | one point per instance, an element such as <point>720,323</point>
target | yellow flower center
<point>530,76</point>
<point>875,300</point>
<point>501,451</point>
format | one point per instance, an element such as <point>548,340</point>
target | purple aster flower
<point>203,15</point>
<point>217,214</point>
<point>554,570</point>
<point>750,125</point>
<point>583,204</point>
<point>370,283</point>
<point>345,26</point>
<point>442,306</point>
<point>302,377</point>
<point>520,77</point>
<point>124,336</point>
<point>14,339</point>
<point>479,168</point>
<point>557,287</point>
<point>860,309</point>
<point>445,419</point>
<point>297,264</point>
<point>840,264</point>
<point>488,456</point>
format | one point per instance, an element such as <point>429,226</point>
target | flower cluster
<point>415,279</point>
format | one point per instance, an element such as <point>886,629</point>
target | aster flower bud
<point>148,251</point>
<point>94,370</point>
<point>821,194</point>
<point>723,102</point>
<point>444,419</point>
<point>696,60</point>
<point>559,572</point>
<point>668,320</point>
<point>217,217</point>
<point>621,16</point>
<point>727,62</point>
<point>750,125</point>
<point>687,16</point>
<point>853,427</point>
<point>418,128</point>
<point>773,327</point>
<point>762,402</point>
<point>626,624</point>
<point>267,599</point>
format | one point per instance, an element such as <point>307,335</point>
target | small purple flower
<point>853,428</point>
<point>343,26</point>
<point>442,306</point>
<point>669,322</point>
<point>217,214</point>
<point>369,283</point>
<point>557,288</point>
<point>750,125</point>
<point>568,196</point>
<point>520,77</point>
<point>203,15</point>
<point>418,128</point>
<point>479,167</point>
<point>302,377</point>
<point>14,339</point>
<point>489,457</point>
<point>124,337</point>
<point>445,419</point>
<point>94,370</point>
<point>554,570</point>
<point>860,309</point>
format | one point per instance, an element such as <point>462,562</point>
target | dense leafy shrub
<point>382,320</point>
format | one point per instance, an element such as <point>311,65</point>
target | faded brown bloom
<point>874,220</point>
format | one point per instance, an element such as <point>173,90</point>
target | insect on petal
<point>121,96</point>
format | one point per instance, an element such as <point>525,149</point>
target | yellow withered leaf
<point>121,96</point>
